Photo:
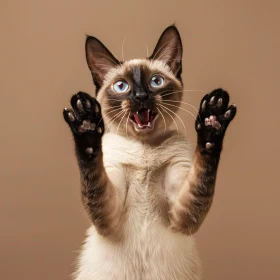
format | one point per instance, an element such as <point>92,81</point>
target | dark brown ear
<point>169,49</point>
<point>99,59</point>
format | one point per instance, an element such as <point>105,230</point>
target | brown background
<point>234,44</point>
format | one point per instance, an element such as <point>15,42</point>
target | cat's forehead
<point>129,66</point>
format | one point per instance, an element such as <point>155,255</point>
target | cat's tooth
<point>149,124</point>
<point>137,113</point>
<point>140,126</point>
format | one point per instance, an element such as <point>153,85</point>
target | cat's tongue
<point>142,117</point>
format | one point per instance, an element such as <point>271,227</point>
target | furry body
<point>146,248</point>
<point>144,190</point>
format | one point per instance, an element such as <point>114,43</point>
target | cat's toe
<point>85,116</point>
<point>214,103</point>
<point>213,119</point>
<point>79,105</point>
<point>71,119</point>
<point>84,105</point>
<point>68,115</point>
<point>218,101</point>
<point>204,103</point>
<point>230,113</point>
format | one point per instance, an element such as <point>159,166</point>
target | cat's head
<point>138,97</point>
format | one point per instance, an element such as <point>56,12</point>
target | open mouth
<point>143,119</point>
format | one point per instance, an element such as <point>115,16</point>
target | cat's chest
<point>137,170</point>
<point>141,173</point>
<point>135,167</point>
<point>134,159</point>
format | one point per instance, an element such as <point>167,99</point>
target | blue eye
<point>120,86</point>
<point>157,81</point>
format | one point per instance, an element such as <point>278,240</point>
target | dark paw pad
<point>85,121</point>
<point>214,118</point>
<point>85,116</point>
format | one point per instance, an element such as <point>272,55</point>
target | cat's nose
<point>141,96</point>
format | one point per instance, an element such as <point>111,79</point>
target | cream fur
<point>147,180</point>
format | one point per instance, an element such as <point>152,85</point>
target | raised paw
<point>213,119</point>
<point>85,121</point>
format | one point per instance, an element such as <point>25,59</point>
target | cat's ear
<point>99,59</point>
<point>169,49</point>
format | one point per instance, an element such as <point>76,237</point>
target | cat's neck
<point>154,140</point>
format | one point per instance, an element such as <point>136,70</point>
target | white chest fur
<point>147,179</point>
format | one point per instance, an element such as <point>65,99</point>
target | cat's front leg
<point>98,193</point>
<point>195,197</point>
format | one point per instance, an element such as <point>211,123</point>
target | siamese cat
<point>145,191</point>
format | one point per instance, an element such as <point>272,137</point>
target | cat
<point>145,191</point>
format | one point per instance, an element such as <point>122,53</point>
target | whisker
<point>168,91</point>
<point>177,117</point>
<point>185,90</point>
<point>126,124</point>
<point>180,108</point>
<point>199,90</point>
<point>163,120</point>
<point>169,100</point>
<point>171,118</point>
<point>117,106</point>
<point>107,114</point>
<point>113,99</point>
<point>114,117</point>
<point>121,120</point>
